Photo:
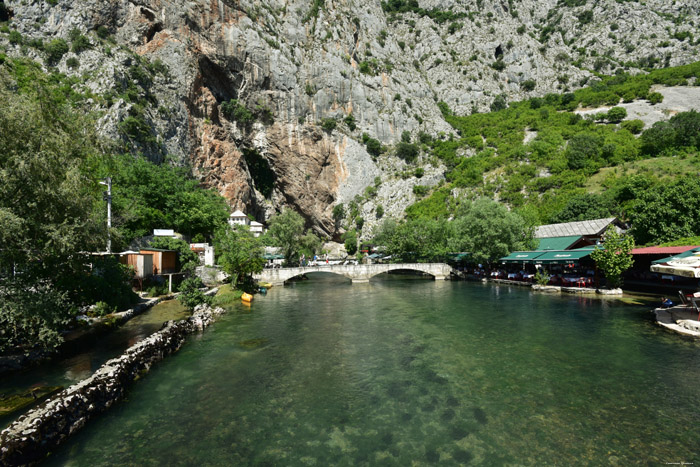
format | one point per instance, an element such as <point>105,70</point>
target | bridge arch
<point>354,272</point>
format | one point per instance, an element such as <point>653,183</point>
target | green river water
<point>411,372</point>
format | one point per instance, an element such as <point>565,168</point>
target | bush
<point>102,309</point>
<point>350,240</point>
<point>328,124</point>
<point>419,172</point>
<point>350,122</point>
<point>73,62</point>
<point>420,190</point>
<point>655,98</point>
<point>633,126</point>
<point>528,85</point>
<point>374,147</point>
<point>407,151</point>
<point>236,112</point>
<point>80,43</point>
<point>379,212</point>
<point>191,295</point>
<point>102,32</point>
<point>55,50</point>
<point>499,103</point>
<point>616,114</point>
<point>16,37</point>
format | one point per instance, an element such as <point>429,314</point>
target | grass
<point>664,168</point>
<point>226,296</point>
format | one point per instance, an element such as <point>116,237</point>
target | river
<point>401,372</point>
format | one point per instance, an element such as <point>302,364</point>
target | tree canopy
<point>240,254</point>
<point>615,257</point>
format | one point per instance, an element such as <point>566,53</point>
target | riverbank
<point>40,431</point>
<point>76,338</point>
<point>680,319</point>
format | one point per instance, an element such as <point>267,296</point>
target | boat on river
<point>246,297</point>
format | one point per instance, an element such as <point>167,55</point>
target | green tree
<point>239,253</point>
<point>616,114</point>
<point>55,50</point>
<point>285,231</point>
<point>666,212</point>
<point>191,294</point>
<point>48,210</point>
<point>488,231</point>
<point>584,149</point>
<point>350,240</point>
<point>615,257</point>
<point>422,240</point>
<point>583,207</point>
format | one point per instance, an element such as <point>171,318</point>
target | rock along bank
<point>29,439</point>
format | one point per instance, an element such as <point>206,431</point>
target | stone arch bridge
<point>354,272</point>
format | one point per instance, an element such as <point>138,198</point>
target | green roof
<point>685,254</point>
<point>557,243</point>
<point>564,256</point>
<point>521,257</point>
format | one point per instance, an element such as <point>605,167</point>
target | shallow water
<point>405,372</point>
<point>70,370</point>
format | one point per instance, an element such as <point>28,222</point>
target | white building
<point>239,218</point>
<point>256,228</point>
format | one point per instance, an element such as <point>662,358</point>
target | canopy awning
<point>685,254</point>
<point>557,243</point>
<point>688,266</point>
<point>564,256</point>
<point>521,257</point>
<point>269,256</point>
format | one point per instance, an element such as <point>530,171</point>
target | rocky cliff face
<point>164,75</point>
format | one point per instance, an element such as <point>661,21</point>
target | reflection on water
<point>70,370</point>
<point>406,372</point>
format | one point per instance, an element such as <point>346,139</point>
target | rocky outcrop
<point>38,432</point>
<point>295,63</point>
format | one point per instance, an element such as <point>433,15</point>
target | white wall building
<point>239,218</point>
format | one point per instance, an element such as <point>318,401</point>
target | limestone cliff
<point>163,72</point>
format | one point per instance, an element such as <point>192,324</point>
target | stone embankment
<point>32,436</point>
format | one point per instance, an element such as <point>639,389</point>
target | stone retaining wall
<point>32,436</point>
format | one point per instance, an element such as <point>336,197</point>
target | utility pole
<point>107,196</point>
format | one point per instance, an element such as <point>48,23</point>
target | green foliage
<point>73,62</point>
<point>499,103</point>
<point>655,98</point>
<point>328,124</point>
<point>191,294</point>
<point>379,212</point>
<point>583,207</point>
<point>683,241</point>
<point>489,231</point>
<point>16,37</point>
<point>102,32</point>
<point>55,50</point>
<point>187,259</point>
<point>615,257</point>
<point>48,195</point>
<point>666,211</point>
<point>415,240</point>
<point>374,147</point>
<point>148,196</point>
<point>285,230</point>
<point>338,212</point>
<point>407,151</point>
<point>79,42</point>
<point>393,7</point>
<point>316,6</point>
<point>239,253</point>
<point>616,114</point>
<point>633,126</point>
<point>235,111</point>
<point>541,277</point>
<point>102,309</point>
<point>528,85</point>
<point>350,241</point>
<point>420,190</point>
<point>350,122</point>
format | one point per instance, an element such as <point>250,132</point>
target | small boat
<point>266,285</point>
<point>246,297</point>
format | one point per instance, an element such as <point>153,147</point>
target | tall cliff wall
<point>167,68</point>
